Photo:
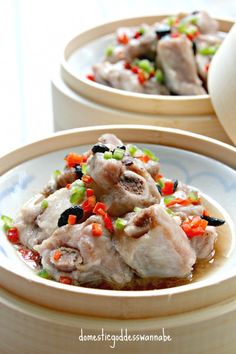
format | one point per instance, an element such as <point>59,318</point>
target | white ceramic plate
<point>214,178</point>
<point>88,48</point>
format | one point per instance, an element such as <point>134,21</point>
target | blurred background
<point>32,35</point>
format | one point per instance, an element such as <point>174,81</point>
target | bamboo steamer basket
<point>200,315</point>
<point>80,102</point>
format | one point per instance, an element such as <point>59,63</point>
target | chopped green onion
<point>120,224</point>
<point>56,173</point>
<point>170,212</point>
<point>107,155</point>
<point>193,195</point>
<point>169,198</point>
<point>141,30</point>
<point>132,150</point>
<point>193,20</point>
<point>7,222</point>
<point>150,154</point>
<point>191,30</point>
<point>145,65</point>
<point>208,50</point>
<point>161,182</point>
<point>160,76</point>
<point>109,51</point>
<point>171,20</point>
<point>77,183</point>
<point>137,209</point>
<point>118,154</point>
<point>44,204</point>
<point>77,195</point>
<point>182,27</point>
<point>44,274</point>
<point>84,168</point>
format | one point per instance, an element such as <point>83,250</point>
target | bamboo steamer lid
<point>222,84</point>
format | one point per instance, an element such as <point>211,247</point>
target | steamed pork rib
<point>205,23</point>
<point>162,58</point>
<point>143,45</point>
<point>206,47</point>
<point>204,245</point>
<point>122,187</point>
<point>154,245</point>
<point>73,250</point>
<point>111,219</point>
<point>36,223</point>
<point>176,58</point>
<point>115,75</point>
<point>132,45</point>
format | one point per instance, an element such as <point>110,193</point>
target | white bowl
<point>52,314</point>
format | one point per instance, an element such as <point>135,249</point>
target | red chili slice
<point>96,229</point>
<point>108,223</point>
<point>13,235</point>
<point>123,39</point>
<point>91,77</point>
<point>100,209</point>
<point>168,188</point>
<point>65,280</point>
<point>73,159</point>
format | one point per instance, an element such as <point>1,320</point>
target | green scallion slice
<point>44,204</point>
<point>84,168</point>
<point>168,198</point>
<point>120,224</point>
<point>171,20</point>
<point>193,20</point>
<point>77,195</point>
<point>141,30</point>
<point>107,155</point>
<point>118,154</point>
<point>193,196</point>
<point>182,27</point>
<point>77,183</point>
<point>150,154</point>
<point>7,222</point>
<point>145,65</point>
<point>109,51</point>
<point>208,50</point>
<point>132,150</point>
<point>137,209</point>
<point>56,173</point>
<point>44,274</point>
<point>159,76</point>
<point>161,182</point>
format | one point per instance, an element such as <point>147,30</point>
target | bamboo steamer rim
<point>109,303</point>
<point>130,101</point>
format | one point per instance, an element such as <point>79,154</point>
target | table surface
<point>33,33</point>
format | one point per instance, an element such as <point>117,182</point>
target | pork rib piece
<point>204,244</point>
<point>154,245</point>
<point>176,58</point>
<point>84,257</point>
<point>35,223</point>
<point>206,23</point>
<point>203,61</point>
<point>122,187</point>
<point>116,76</point>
